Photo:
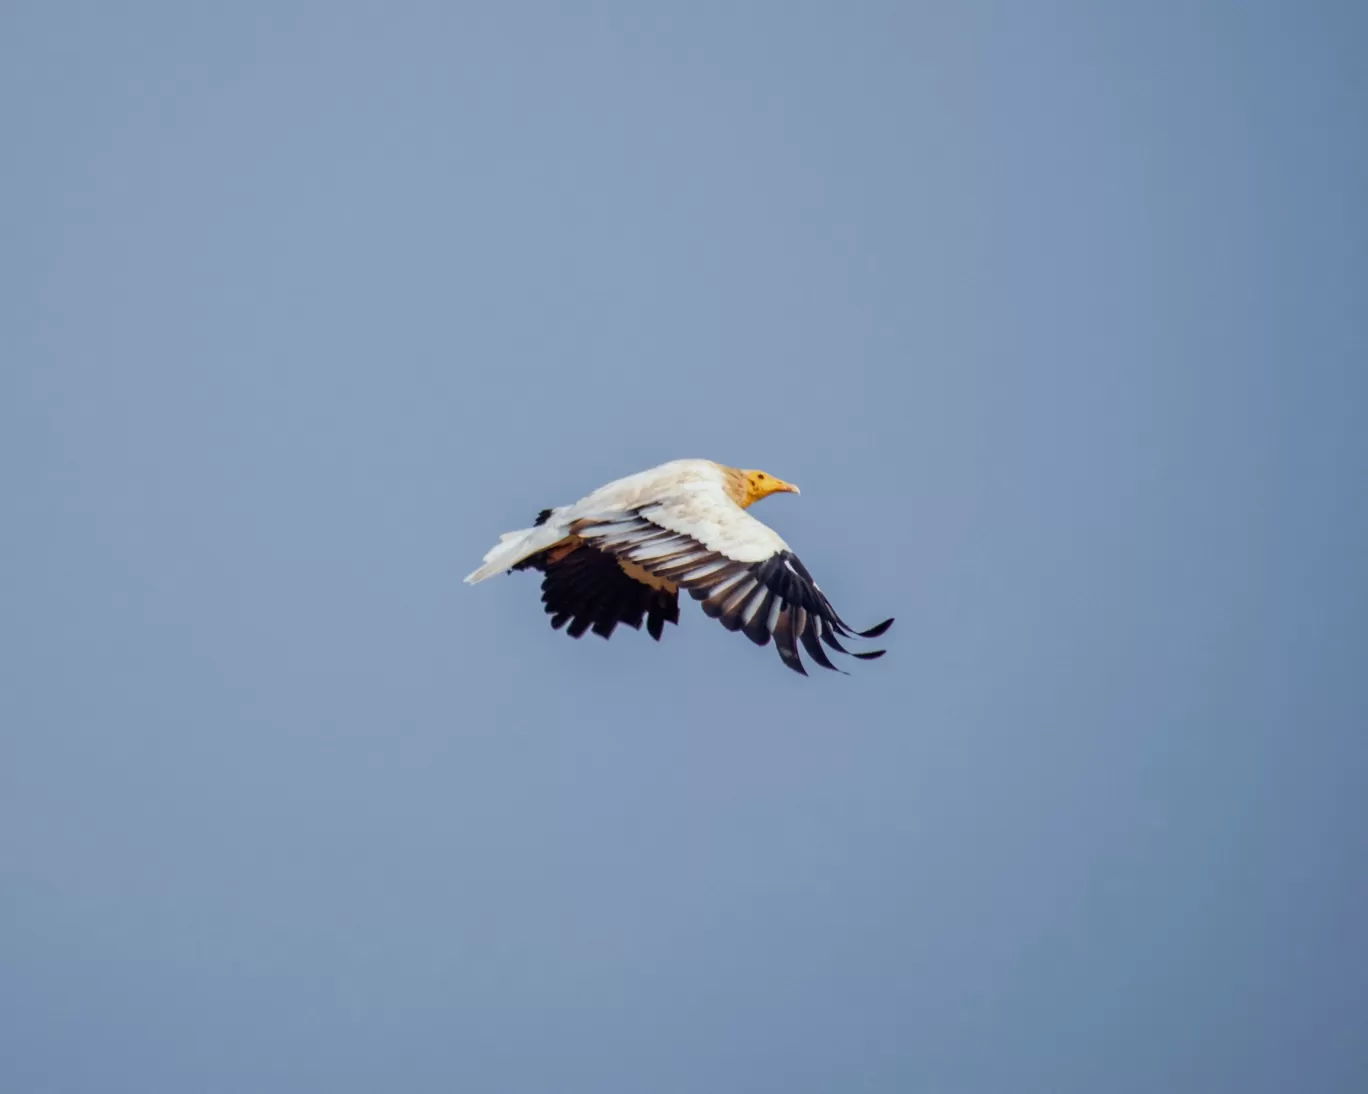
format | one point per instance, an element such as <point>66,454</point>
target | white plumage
<point>620,555</point>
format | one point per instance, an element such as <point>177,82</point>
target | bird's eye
<point>760,475</point>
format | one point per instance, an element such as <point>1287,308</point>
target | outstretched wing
<point>590,589</point>
<point>742,571</point>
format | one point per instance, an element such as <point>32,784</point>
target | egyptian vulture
<point>622,554</point>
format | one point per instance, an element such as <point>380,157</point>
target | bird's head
<point>758,484</point>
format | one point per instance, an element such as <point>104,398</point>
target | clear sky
<point>1057,312</point>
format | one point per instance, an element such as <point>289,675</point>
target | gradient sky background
<point>1057,313</point>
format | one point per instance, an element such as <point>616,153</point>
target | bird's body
<point>622,553</point>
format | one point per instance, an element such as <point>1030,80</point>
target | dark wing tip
<point>786,642</point>
<point>814,647</point>
<point>876,630</point>
<point>872,655</point>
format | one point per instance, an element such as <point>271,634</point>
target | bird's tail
<point>513,547</point>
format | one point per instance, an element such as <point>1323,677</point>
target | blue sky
<point>1055,312</point>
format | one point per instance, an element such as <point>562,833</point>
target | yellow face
<point>760,485</point>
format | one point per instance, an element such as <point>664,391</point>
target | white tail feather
<point>513,547</point>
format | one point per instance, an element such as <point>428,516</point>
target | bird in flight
<point>621,555</point>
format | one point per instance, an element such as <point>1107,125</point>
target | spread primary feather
<point>621,554</point>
